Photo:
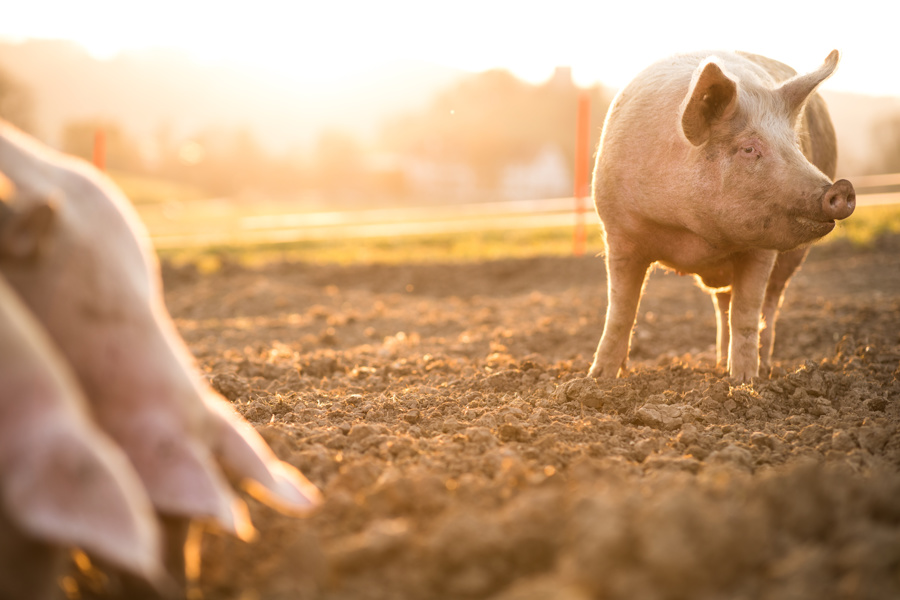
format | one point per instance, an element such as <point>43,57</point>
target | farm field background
<point>434,388</point>
<point>186,226</point>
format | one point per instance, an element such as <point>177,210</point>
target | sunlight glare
<point>330,41</point>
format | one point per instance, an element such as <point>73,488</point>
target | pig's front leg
<point>785,266</point>
<point>751,275</point>
<point>626,271</point>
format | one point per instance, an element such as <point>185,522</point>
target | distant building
<point>443,181</point>
<point>545,176</point>
<point>428,180</point>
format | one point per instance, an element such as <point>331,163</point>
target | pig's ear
<point>24,232</point>
<point>182,479</point>
<point>796,90</point>
<point>712,97</point>
<point>73,489</point>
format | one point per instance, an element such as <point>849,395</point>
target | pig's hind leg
<point>626,272</point>
<point>722,302</point>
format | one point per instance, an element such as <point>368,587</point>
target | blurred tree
<point>337,161</point>
<point>227,161</point>
<point>493,119</point>
<point>249,155</point>
<point>886,140</point>
<point>15,102</point>
<point>288,173</point>
<point>122,153</point>
<point>234,161</point>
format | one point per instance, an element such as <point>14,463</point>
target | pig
<point>74,250</point>
<point>63,482</point>
<point>721,165</point>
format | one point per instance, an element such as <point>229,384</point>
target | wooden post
<point>582,168</point>
<point>100,148</point>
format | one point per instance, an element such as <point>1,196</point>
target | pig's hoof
<point>740,379</point>
<point>599,371</point>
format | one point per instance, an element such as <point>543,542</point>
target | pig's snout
<point>839,200</point>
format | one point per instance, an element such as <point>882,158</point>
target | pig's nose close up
<point>839,200</point>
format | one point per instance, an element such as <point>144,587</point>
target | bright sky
<point>315,40</point>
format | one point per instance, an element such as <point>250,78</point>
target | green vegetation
<point>867,226</point>
<point>472,246</point>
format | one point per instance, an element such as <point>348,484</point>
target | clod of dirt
<point>661,416</point>
<point>583,390</point>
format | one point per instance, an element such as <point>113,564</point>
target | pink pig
<point>721,165</point>
<point>74,250</point>
<point>63,482</point>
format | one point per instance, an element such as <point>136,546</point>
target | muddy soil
<point>443,409</point>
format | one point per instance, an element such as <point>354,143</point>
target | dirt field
<point>443,410</point>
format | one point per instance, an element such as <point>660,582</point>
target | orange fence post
<point>100,148</point>
<point>582,158</point>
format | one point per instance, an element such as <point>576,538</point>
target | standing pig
<point>721,165</point>
<point>62,481</point>
<point>74,250</point>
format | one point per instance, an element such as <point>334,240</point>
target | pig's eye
<point>749,151</point>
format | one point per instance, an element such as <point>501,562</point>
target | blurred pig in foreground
<point>63,482</point>
<point>720,165</point>
<point>74,250</point>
